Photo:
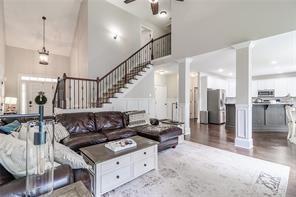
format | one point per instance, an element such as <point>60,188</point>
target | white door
<point>161,102</point>
<point>146,35</point>
<point>32,90</point>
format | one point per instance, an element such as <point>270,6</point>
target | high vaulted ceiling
<point>23,24</point>
<point>142,9</point>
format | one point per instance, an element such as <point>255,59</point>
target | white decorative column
<point>243,105</point>
<point>184,93</point>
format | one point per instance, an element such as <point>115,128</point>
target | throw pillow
<point>23,132</point>
<point>13,156</point>
<point>64,155</point>
<point>10,127</point>
<point>137,118</point>
<point>60,132</point>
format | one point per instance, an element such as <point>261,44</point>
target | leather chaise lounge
<point>94,128</point>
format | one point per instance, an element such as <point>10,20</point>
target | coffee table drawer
<point>144,153</point>
<point>115,178</point>
<point>116,163</point>
<point>143,166</point>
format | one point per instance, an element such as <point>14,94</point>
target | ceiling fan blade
<point>128,1</point>
<point>154,8</point>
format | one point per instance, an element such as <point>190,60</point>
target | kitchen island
<point>265,116</point>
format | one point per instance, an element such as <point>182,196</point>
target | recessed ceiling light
<point>220,70</point>
<point>114,35</point>
<point>163,13</point>
<point>230,74</point>
<point>274,62</point>
<point>162,72</point>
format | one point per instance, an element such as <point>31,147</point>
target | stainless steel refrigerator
<point>216,106</point>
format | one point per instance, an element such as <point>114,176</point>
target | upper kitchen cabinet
<point>281,87</point>
<point>265,84</point>
<point>291,86</point>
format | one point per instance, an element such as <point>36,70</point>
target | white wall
<point>23,61</point>
<point>160,80</point>
<point>172,84</point>
<point>105,53</point>
<point>2,41</point>
<point>211,25</point>
<point>79,52</point>
<point>143,88</point>
<point>139,97</point>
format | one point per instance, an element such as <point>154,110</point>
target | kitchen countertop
<point>265,103</point>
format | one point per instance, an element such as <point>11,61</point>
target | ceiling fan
<point>154,5</point>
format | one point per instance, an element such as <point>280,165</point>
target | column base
<point>187,131</point>
<point>244,143</point>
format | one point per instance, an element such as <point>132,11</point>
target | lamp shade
<point>43,57</point>
<point>10,100</point>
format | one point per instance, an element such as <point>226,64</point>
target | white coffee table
<point>110,170</point>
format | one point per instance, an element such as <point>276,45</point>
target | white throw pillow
<point>59,134</point>
<point>137,118</point>
<point>64,155</point>
<point>13,156</point>
<point>23,132</point>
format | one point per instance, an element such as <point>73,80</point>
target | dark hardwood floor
<point>269,146</point>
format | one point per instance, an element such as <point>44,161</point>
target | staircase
<point>83,93</point>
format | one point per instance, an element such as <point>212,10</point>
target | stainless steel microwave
<point>266,93</point>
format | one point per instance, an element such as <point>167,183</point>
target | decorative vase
<point>40,156</point>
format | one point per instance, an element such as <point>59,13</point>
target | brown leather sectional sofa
<point>88,129</point>
<point>63,175</point>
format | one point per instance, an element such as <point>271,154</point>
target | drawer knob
<point>145,164</point>
<point>117,177</point>
<point>117,163</point>
<point>145,153</point>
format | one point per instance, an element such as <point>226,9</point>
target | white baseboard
<point>181,139</point>
<point>244,143</point>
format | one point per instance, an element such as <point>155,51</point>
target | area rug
<point>195,170</point>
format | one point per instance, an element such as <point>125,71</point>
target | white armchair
<point>291,116</point>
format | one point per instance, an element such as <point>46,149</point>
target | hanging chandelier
<point>43,54</point>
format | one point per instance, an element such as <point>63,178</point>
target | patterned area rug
<point>195,170</point>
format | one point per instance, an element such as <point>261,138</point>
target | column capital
<point>242,45</point>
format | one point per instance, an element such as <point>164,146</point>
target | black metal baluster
<point>70,94</point>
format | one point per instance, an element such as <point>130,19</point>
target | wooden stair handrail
<point>128,68</point>
<point>150,42</point>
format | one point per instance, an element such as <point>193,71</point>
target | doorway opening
<point>146,34</point>
<point>30,87</point>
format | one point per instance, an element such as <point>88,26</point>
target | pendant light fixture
<point>43,54</point>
